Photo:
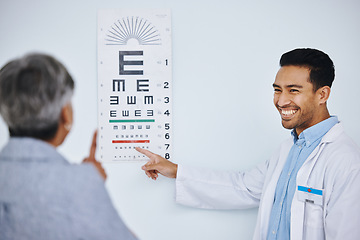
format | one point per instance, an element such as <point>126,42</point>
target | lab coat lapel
<point>297,207</point>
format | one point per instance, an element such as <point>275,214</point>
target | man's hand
<point>158,164</point>
<point>91,158</point>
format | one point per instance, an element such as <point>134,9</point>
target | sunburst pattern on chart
<point>133,28</point>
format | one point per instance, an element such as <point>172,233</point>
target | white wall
<point>225,56</point>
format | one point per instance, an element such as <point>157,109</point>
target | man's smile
<point>287,114</point>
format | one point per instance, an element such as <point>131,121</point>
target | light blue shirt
<point>309,139</point>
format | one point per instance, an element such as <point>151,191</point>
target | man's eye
<point>277,90</point>
<point>294,90</point>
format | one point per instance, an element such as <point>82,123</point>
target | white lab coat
<point>333,166</point>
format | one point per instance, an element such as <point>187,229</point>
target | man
<point>43,196</point>
<point>310,188</point>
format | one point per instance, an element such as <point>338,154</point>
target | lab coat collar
<point>329,137</point>
<point>333,133</point>
<point>313,133</point>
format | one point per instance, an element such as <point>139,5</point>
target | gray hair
<point>33,90</point>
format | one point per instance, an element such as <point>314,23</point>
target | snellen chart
<point>134,84</point>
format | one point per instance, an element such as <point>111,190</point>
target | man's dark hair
<point>322,71</point>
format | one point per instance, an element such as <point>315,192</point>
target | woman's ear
<point>65,124</point>
<point>324,94</point>
<point>67,116</point>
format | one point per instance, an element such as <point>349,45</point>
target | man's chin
<point>287,124</point>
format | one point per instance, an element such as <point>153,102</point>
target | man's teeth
<point>288,112</point>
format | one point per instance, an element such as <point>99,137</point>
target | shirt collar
<point>313,133</point>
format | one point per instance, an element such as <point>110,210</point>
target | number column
<point>167,117</point>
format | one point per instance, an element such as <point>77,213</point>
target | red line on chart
<point>130,141</point>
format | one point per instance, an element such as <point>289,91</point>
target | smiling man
<point>310,188</point>
<point>300,98</point>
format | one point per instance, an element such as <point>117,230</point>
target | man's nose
<point>283,99</point>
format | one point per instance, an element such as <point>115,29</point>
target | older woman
<point>42,196</point>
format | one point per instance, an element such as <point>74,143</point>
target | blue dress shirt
<point>309,139</point>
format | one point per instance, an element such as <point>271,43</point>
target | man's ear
<point>324,94</point>
<point>66,116</point>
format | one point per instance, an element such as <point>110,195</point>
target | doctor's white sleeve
<point>210,189</point>
<point>342,218</point>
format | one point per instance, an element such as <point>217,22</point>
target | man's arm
<point>210,189</point>
<point>158,164</point>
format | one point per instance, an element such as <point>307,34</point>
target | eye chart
<point>134,84</point>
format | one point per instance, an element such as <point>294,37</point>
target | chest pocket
<point>313,221</point>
